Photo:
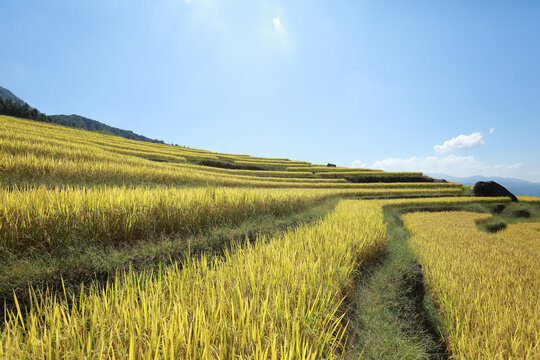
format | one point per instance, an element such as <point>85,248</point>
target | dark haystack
<point>331,165</point>
<point>492,189</point>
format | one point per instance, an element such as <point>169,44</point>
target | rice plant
<point>279,298</point>
<point>485,285</point>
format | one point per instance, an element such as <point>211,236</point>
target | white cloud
<point>491,131</point>
<point>451,165</point>
<point>460,142</point>
<point>358,164</point>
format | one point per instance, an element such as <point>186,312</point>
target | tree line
<point>8,107</point>
<point>11,108</point>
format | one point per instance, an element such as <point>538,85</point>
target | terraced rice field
<point>277,299</point>
<point>69,195</point>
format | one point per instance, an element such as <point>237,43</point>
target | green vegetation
<point>374,176</point>
<point>11,108</point>
<point>385,321</point>
<point>510,213</point>
<point>85,123</point>
<point>5,94</point>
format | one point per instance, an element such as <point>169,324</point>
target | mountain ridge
<point>8,95</point>
<point>72,120</point>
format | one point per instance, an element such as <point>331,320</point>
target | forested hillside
<point>14,106</point>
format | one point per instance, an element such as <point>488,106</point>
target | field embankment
<point>392,311</point>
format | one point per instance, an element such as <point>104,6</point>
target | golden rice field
<point>32,153</point>
<point>486,285</point>
<point>61,217</point>
<point>30,169</point>
<point>277,299</point>
<point>21,131</point>
<point>248,305</point>
<point>49,218</point>
<point>282,297</point>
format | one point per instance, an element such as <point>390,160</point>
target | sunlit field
<point>281,291</point>
<point>485,285</point>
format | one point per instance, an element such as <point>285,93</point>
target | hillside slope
<point>39,153</point>
<point>73,120</point>
<point>166,245</point>
<point>8,95</point>
<point>94,125</point>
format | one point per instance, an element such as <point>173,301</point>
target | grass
<point>511,213</point>
<point>374,176</point>
<point>384,320</point>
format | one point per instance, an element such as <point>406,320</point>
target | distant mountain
<point>8,95</point>
<point>12,105</point>
<point>515,186</point>
<point>94,125</point>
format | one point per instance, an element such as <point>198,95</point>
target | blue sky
<point>437,86</point>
